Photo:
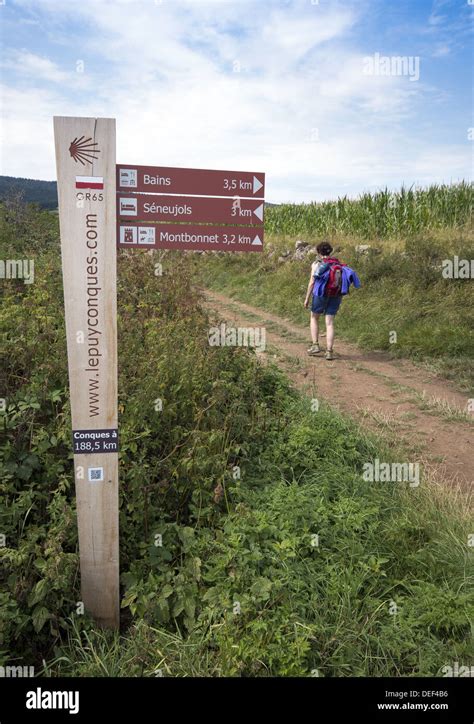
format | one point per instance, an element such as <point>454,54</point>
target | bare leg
<point>314,326</point>
<point>330,330</point>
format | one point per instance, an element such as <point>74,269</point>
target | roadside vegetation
<point>403,287</point>
<point>251,545</point>
<point>381,215</point>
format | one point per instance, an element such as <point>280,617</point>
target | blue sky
<point>279,86</point>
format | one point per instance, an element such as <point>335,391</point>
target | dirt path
<point>392,397</point>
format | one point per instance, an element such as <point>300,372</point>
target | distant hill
<point>43,193</point>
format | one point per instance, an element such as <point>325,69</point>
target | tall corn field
<point>385,214</point>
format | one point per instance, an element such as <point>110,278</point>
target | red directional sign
<point>190,208</point>
<point>188,236</point>
<point>194,181</point>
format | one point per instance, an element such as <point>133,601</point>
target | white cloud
<point>299,34</point>
<point>441,51</point>
<point>26,144</point>
<point>165,73</point>
<point>34,67</point>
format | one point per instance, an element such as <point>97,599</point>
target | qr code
<point>96,475</point>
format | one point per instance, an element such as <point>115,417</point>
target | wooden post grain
<point>85,158</point>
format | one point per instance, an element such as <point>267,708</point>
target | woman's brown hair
<point>324,248</point>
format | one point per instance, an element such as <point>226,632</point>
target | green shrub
<point>222,492</point>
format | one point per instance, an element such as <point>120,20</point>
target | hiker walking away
<point>329,282</point>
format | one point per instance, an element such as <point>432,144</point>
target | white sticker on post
<point>96,475</point>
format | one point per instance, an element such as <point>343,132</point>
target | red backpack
<point>334,283</point>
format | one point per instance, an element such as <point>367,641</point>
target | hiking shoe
<point>314,349</point>
<point>329,355</point>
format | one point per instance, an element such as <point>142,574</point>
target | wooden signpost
<point>200,209</point>
<point>186,205</point>
<point>85,159</point>
<point>190,181</point>
<point>191,237</point>
<point>102,206</point>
